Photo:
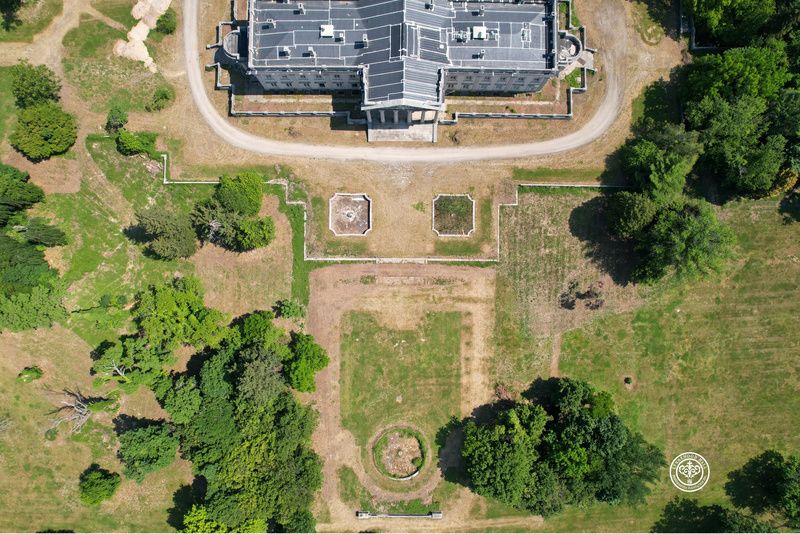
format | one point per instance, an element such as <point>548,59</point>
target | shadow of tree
<point>789,207</point>
<point>9,11</point>
<point>183,499</point>
<point>756,485</point>
<point>124,422</point>
<point>665,14</point>
<point>587,222</point>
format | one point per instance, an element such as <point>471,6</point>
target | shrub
<point>132,143</point>
<point>44,130</point>
<point>630,213</point>
<point>167,23</point>
<point>97,485</point>
<point>252,233</point>
<point>33,85</point>
<point>162,97</point>
<point>289,308</point>
<point>241,193</point>
<point>307,358</point>
<point>116,119</point>
<point>29,374</point>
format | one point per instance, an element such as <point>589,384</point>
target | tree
<point>565,445</point>
<point>247,233</point>
<point>630,213</point>
<point>658,173</point>
<point>22,267</point>
<point>172,314</point>
<point>97,485</point>
<point>116,119</point>
<point>168,22</point>
<point>500,456</point>
<point>170,234</point>
<point>686,515</point>
<point>32,85</point>
<point>734,21</point>
<point>241,193</point>
<point>768,483</point>
<point>147,449</point>
<point>307,358</point>
<point>38,232</point>
<point>289,308</point>
<point>685,238</point>
<point>132,360</point>
<point>183,399</point>
<point>44,130</point>
<point>196,520</point>
<point>261,380</point>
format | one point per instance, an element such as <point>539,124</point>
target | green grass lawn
<point>30,20</point>
<point>716,363</point>
<point>7,109</point>
<point>400,376</point>
<point>101,78</point>
<point>119,10</point>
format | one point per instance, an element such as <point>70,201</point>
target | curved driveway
<point>592,130</point>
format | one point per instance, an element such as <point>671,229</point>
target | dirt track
<point>400,295</point>
<point>613,14</point>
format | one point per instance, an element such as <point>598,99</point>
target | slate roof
<point>402,45</point>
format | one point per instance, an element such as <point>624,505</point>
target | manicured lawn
<point>393,376</point>
<point>555,236</point>
<point>716,364</point>
<point>101,78</point>
<point>30,20</point>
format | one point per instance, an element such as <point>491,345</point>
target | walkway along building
<point>403,56</point>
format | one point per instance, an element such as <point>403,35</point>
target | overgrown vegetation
<point>97,485</point>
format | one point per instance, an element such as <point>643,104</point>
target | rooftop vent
<point>326,30</point>
<point>479,32</point>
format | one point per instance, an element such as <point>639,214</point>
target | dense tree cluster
<point>234,416</point>
<point>43,128</point>
<point>744,99</point>
<point>30,291</point>
<point>230,219</point>
<point>564,446</point>
<point>671,232</point>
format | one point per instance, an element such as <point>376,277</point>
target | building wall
<point>477,81</point>
<point>309,80</point>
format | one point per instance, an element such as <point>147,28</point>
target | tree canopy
<point>44,130</point>
<point>32,85</point>
<point>563,446</point>
<point>169,235</point>
<point>146,449</point>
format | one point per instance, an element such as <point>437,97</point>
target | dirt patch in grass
<point>399,453</point>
